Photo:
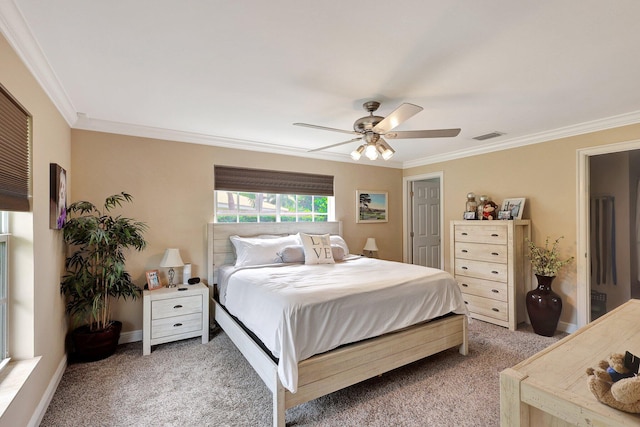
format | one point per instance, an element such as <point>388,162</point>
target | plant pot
<point>90,345</point>
<point>544,307</point>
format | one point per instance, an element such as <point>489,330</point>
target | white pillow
<point>292,254</point>
<point>317,249</point>
<point>338,240</point>
<point>257,251</point>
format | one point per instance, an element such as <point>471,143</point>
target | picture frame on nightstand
<point>153,280</point>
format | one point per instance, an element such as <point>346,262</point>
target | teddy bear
<point>489,210</point>
<point>614,385</point>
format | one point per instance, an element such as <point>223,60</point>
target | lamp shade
<point>171,258</point>
<point>371,245</point>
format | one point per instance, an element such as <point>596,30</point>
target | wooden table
<point>550,388</point>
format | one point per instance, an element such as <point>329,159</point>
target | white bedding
<point>300,310</point>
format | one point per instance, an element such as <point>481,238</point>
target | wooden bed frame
<point>331,371</point>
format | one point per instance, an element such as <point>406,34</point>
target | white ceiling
<point>239,73</point>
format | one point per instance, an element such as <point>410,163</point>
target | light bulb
<point>371,152</point>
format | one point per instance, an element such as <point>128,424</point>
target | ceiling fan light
<point>355,154</point>
<point>388,153</point>
<point>371,152</point>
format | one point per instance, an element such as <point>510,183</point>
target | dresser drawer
<point>481,252</point>
<point>481,269</point>
<point>486,307</point>
<point>483,288</point>
<point>176,306</point>
<point>176,325</point>
<point>492,234</point>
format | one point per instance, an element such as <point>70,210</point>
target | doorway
<point>422,234</point>
<point>608,184</point>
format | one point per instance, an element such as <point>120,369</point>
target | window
<point>236,206</point>
<point>4,285</point>
<point>256,195</point>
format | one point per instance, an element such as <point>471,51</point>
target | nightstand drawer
<point>176,325</point>
<point>487,307</point>
<point>481,269</point>
<point>176,306</point>
<point>483,288</point>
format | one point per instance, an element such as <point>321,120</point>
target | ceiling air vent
<point>488,136</point>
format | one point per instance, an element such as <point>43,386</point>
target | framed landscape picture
<point>372,206</point>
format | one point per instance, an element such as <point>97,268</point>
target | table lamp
<point>171,259</point>
<point>370,246</point>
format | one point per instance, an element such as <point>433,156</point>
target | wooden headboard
<point>220,249</point>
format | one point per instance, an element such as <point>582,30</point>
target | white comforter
<point>300,310</point>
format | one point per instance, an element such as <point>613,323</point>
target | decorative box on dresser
<point>171,314</point>
<point>488,261</point>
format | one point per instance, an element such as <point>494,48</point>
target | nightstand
<point>171,314</point>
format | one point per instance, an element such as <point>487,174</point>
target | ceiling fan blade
<point>351,132</point>
<point>397,116</point>
<point>334,145</point>
<point>433,133</point>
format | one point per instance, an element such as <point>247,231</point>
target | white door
<point>425,227</point>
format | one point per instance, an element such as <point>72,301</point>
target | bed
<point>291,373</point>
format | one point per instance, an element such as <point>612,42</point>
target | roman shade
<point>229,178</point>
<point>14,160</point>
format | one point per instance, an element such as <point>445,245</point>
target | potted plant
<point>544,306</point>
<point>95,273</point>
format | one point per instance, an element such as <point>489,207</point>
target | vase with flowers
<point>544,306</point>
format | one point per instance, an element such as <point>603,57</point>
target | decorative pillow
<point>292,254</point>
<point>317,249</point>
<point>338,240</point>
<point>256,250</point>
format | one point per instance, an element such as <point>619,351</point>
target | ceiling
<point>239,74</point>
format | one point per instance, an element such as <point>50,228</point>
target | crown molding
<point>536,138</point>
<point>15,29</point>
<point>85,123</point>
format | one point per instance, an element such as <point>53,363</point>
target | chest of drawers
<point>171,314</point>
<point>488,261</point>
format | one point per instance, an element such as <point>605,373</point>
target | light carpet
<point>186,383</point>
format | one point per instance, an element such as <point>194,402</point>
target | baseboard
<point>567,327</point>
<point>130,336</point>
<point>41,409</point>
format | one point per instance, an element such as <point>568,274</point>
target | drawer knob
<point>495,253</point>
<point>494,272</point>
<point>494,235</point>
<point>177,325</point>
<point>466,302</point>
<point>177,306</point>
<point>464,251</point>
<point>464,234</point>
<point>495,291</point>
<point>464,268</point>
<point>464,285</point>
<point>496,310</point>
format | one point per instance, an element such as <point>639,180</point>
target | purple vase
<point>544,307</point>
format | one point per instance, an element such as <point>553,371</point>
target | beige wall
<point>546,174</point>
<point>172,184</point>
<point>38,323</point>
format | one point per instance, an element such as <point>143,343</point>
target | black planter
<point>544,307</point>
<point>90,345</point>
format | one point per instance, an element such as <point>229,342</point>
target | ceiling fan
<point>372,128</point>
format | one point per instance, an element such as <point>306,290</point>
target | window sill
<point>12,379</point>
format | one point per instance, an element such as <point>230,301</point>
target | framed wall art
<point>57,196</point>
<point>515,206</point>
<point>372,206</point>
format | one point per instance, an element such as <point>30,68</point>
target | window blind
<point>229,178</point>
<point>14,160</point>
